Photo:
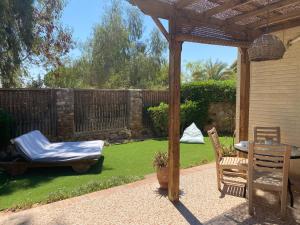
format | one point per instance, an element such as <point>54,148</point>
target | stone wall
<point>222,116</point>
<point>65,113</point>
<point>135,113</point>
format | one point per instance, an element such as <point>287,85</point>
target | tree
<point>16,36</point>
<point>231,72</point>
<point>31,32</point>
<point>117,55</point>
<point>35,83</point>
<point>110,45</point>
<point>210,70</point>
<point>196,71</point>
<point>120,57</point>
<point>215,70</point>
<point>72,75</point>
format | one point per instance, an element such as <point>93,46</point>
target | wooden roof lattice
<point>224,22</point>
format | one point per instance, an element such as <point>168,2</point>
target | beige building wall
<point>275,93</point>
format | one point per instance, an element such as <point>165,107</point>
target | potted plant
<point>160,163</point>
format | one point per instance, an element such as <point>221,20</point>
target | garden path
<point>142,203</point>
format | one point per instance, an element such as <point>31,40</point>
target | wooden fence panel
<point>152,98</point>
<point>96,110</point>
<point>32,109</point>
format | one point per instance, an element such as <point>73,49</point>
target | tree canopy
<point>211,70</point>
<point>31,32</point>
<point>118,55</point>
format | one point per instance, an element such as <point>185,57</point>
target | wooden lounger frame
<point>19,167</point>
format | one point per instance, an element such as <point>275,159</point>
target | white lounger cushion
<point>36,147</point>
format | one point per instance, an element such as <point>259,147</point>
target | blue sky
<point>82,15</point>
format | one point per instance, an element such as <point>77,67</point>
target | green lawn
<point>132,161</point>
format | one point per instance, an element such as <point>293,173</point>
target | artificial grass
<point>123,163</point>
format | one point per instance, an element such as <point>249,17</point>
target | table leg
<point>245,190</point>
<point>290,192</point>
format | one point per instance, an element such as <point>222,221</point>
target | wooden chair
<point>265,134</point>
<point>268,170</point>
<point>228,168</point>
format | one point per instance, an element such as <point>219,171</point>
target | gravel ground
<point>142,203</point>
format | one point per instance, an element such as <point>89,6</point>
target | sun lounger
<point>40,152</point>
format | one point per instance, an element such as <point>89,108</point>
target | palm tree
<point>215,70</point>
<point>196,71</point>
<point>231,72</point>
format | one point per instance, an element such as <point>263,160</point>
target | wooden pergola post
<point>244,94</point>
<point>175,48</point>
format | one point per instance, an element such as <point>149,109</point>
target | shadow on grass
<point>37,176</point>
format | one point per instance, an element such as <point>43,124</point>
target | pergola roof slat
<point>184,3</point>
<point>235,22</point>
<point>161,9</point>
<point>276,19</point>
<point>223,7</point>
<point>262,10</point>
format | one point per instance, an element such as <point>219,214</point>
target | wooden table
<point>295,154</point>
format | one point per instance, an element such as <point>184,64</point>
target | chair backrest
<point>267,134</point>
<point>213,135</point>
<point>269,158</point>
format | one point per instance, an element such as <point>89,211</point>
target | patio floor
<point>142,203</point>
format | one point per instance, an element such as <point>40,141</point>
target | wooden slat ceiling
<point>226,22</point>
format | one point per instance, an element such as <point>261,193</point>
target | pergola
<point>221,22</point>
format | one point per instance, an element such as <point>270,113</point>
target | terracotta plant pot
<point>162,176</point>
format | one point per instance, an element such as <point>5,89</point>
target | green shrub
<point>7,130</point>
<point>195,98</point>
<point>189,112</point>
<point>193,112</point>
<point>159,118</point>
<point>209,91</point>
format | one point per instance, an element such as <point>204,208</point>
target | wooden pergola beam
<point>161,28</point>
<point>282,26</point>
<point>262,10</point>
<point>193,19</point>
<point>204,40</point>
<point>275,19</point>
<point>175,48</point>
<point>155,8</point>
<point>236,31</point>
<point>244,94</point>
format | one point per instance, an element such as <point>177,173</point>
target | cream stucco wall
<point>275,94</point>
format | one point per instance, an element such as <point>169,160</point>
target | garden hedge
<point>195,100</point>
<point>189,113</point>
<point>209,91</point>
